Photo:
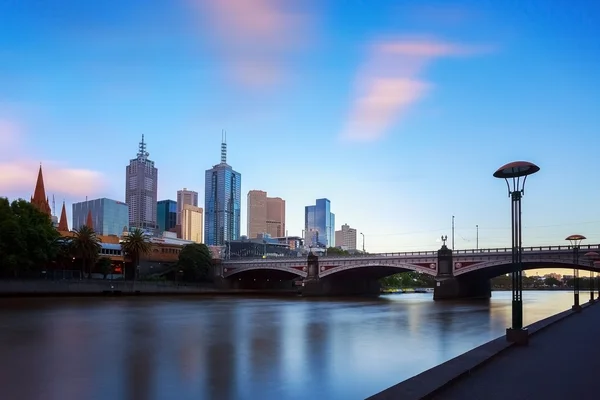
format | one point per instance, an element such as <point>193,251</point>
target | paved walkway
<point>561,362</point>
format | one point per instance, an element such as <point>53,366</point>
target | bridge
<point>459,273</point>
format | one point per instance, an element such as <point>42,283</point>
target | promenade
<point>561,362</point>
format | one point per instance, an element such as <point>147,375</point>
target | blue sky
<point>397,111</point>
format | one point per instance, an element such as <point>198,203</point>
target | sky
<point>396,111</point>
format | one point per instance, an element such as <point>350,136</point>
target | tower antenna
<point>53,206</point>
<point>223,147</point>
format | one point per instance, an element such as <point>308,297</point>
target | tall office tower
<point>166,215</point>
<point>346,238</point>
<point>265,214</point>
<point>108,217</point>
<point>222,202</point>
<point>141,188</point>
<point>185,197</point>
<point>192,224</point>
<point>319,224</point>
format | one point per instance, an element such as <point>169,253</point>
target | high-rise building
<point>185,197</point>
<point>265,214</point>
<point>166,215</point>
<point>141,188</point>
<point>108,217</point>
<point>192,223</point>
<point>222,202</point>
<point>319,224</point>
<point>346,238</point>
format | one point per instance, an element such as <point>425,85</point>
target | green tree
<point>195,260</point>
<point>136,244</point>
<point>104,265</point>
<point>86,245</point>
<point>27,238</point>
<point>550,281</point>
<point>336,251</point>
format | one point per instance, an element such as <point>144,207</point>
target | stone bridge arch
<point>232,270</point>
<point>392,267</point>
<point>500,267</point>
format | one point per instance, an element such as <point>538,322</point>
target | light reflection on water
<point>240,348</point>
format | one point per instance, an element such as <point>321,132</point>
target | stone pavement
<point>560,362</point>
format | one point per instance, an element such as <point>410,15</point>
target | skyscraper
<point>166,214</point>
<point>222,202</point>
<point>185,197</point>
<point>108,217</point>
<point>319,224</point>
<point>141,187</point>
<point>346,238</point>
<point>265,214</point>
<point>192,224</point>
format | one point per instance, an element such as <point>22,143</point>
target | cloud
<point>255,36</point>
<point>390,83</point>
<point>18,172</point>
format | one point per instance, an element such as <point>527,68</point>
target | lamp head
<point>514,171</point>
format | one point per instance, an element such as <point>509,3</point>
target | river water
<point>240,348</point>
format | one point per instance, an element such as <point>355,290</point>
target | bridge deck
<point>561,362</point>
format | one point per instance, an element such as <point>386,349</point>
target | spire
<point>62,223</point>
<point>142,154</point>
<point>39,199</point>
<point>89,222</point>
<point>223,147</point>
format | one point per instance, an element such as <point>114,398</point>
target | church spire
<point>89,222</point>
<point>62,223</point>
<point>39,199</point>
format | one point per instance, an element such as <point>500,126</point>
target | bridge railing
<point>528,249</point>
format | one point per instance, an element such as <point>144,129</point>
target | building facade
<point>265,214</point>
<point>192,223</point>
<point>185,197</point>
<point>141,188</point>
<point>109,217</point>
<point>346,238</point>
<point>222,202</point>
<point>319,224</point>
<point>166,215</point>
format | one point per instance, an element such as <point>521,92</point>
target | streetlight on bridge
<point>363,235</point>
<point>592,256</point>
<point>512,174</point>
<point>575,242</point>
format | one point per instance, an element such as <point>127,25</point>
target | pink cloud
<point>255,36</point>
<point>18,172</point>
<point>390,83</point>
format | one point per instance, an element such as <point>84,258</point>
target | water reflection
<point>233,348</point>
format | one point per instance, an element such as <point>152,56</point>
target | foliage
<point>195,262</point>
<point>104,265</point>
<point>408,280</point>
<point>27,239</point>
<point>550,281</point>
<point>333,251</point>
<point>86,245</point>
<point>134,245</point>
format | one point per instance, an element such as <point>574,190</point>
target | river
<point>240,348</point>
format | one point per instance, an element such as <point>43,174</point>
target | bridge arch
<point>491,269</point>
<point>379,268</point>
<point>228,271</point>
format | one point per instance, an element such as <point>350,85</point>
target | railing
<point>418,253</point>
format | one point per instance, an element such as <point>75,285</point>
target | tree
<point>135,244</point>
<point>551,281</point>
<point>104,265</point>
<point>195,260</point>
<point>86,245</point>
<point>336,251</point>
<point>27,238</point>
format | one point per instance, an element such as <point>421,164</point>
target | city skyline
<point>480,85</point>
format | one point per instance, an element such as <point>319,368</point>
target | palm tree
<point>134,245</point>
<point>86,245</point>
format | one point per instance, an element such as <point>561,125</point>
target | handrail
<point>418,253</point>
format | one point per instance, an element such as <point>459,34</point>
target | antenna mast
<point>223,147</point>
<point>53,206</point>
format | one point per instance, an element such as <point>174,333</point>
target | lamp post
<point>453,233</point>
<point>477,240</point>
<point>575,242</point>
<point>363,236</point>
<point>512,174</point>
<point>592,256</point>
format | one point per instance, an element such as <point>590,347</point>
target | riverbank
<point>97,288</point>
<point>452,379</point>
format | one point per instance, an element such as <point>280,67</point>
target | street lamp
<point>575,242</point>
<point>512,174</point>
<point>592,256</point>
<point>363,235</point>
<point>477,240</point>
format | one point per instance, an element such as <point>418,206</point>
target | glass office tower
<point>319,224</point>
<point>109,217</point>
<point>166,214</point>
